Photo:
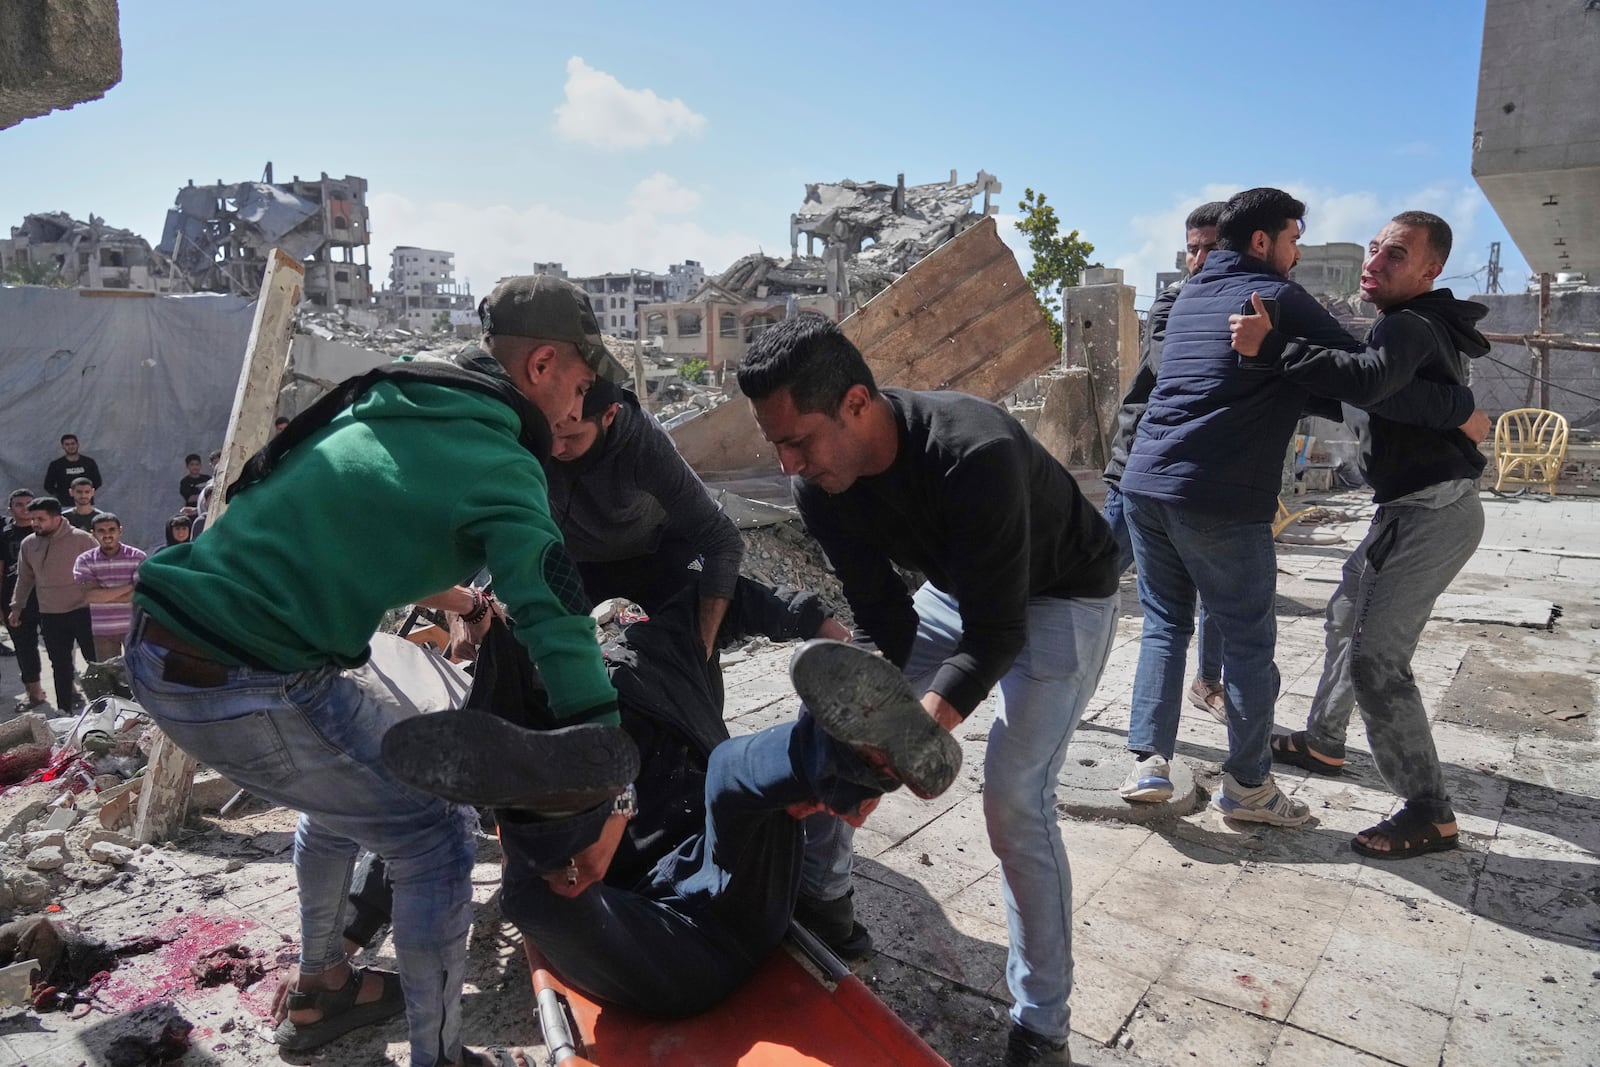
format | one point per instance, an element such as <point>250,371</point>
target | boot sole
<point>864,701</point>
<point>471,757</point>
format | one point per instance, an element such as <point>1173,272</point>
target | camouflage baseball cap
<point>550,308</point>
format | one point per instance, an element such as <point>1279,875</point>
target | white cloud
<point>599,111</point>
<point>662,194</point>
<point>1331,215</point>
<point>491,241</point>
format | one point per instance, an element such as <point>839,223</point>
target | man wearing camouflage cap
<point>241,639</point>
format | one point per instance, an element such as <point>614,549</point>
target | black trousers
<point>25,639</point>
<point>62,631</point>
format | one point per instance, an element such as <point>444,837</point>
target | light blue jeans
<point>1042,697</point>
<point>310,742</point>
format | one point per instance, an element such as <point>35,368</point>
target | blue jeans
<point>1042,697</point>
<point>1210,639</point>
<point>310,742</point>
<point>1233,567</point>
<point>712,909</point>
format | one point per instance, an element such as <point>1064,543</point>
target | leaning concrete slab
<point>963,318</point>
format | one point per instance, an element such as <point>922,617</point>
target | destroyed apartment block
<point>55,248</point>
<point>221,236</point>
<point>423,294</point>
<point>870,233</point>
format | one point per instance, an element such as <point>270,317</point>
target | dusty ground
<point>1195,943</point>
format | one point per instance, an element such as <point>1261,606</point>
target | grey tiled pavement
<point>1196,942</point>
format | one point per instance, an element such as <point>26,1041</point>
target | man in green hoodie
<point>241,639</point>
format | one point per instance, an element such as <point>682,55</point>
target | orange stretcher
<point>802,1006</point>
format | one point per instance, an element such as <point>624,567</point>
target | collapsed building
<point>221,235</point>
<point>54,247</point>
<point>870,233</point>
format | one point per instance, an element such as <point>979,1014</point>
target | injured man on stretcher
<point>667,898</point>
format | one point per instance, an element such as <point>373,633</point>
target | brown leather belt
<point>185,663</point>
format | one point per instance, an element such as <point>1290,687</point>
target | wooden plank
<point>963,318</point>
<point>164,797</point>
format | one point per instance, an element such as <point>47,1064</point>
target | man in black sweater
<point>70,465</point>
<point>1021,593</point>
<point>1428,524</point>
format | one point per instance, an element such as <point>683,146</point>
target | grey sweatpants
<point>1414,549</point>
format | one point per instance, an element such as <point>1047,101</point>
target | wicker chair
<point>1530,445</point>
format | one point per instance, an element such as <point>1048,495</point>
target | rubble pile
<point>784,554</point>
<point>889,227</point>
<point>66,819</point>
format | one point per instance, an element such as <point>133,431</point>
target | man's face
<point>109,534</point>
<point>556,385</point>
<point>69,445</point>
<point>1197,244</point>
<point>575,438</point>
<point>823,449</point>
<point>19,510</point>
<point>1399,266</point>
<point>82,495</point>
<point>1284,252</point>
<point>45,523</point>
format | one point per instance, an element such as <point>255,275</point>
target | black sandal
<point>340,1012</point>
<point>1295,749</point>
<point>1408,833</point>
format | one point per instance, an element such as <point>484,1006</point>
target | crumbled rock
<point>46,858</point>
<point>110,852</point>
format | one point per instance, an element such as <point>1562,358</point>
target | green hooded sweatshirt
<point>409,491</point>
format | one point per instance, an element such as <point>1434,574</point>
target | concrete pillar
<point>56,53</point>
<point>1066,424</point>
<point>1101,336</point>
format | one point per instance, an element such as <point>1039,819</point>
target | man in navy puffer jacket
<point>1201,483</point>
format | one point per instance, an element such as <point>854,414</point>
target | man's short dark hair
<point>1266,209</point>
<point>279,421</point>
<point>48,504</point>
<point>68,437</point>
<point>1205,215</point>
<point>104,516</point>
<point>1439,235</point>
<point>80,481</point>
<point>192,457</point>
<point>18,494</point>
<point>809,356</point>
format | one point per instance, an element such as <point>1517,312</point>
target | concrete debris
<point>888,227</point>
<point>108,852</point>
<point>48,858</point>
<point>55,248</point>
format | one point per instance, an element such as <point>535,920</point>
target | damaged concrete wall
<point>56,53</point>
<point>1101,336</point>
<point>54,247</point>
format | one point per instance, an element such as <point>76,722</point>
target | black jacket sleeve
<point>1137,397</point>
<point>878,598</point>
<point>1376,377</point>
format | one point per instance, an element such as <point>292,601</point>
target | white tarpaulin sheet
<point>141,381</point>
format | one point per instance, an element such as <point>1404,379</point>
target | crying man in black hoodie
<point>1427,526</point>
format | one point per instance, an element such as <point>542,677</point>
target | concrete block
<point>1067,426</point>
<point>56,53</point>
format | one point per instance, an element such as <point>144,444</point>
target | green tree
<point>34,274</point>
<point>1057,261</point>
<point>693,370</point>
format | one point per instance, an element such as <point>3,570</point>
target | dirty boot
<point>475,758</point>
<point>864,701</point>
<point>834,923</point>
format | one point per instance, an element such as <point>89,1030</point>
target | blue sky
<point>622,135</point>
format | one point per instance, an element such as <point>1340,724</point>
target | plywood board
<point>963,318</point>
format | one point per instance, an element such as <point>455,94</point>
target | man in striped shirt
<point>108,572</point>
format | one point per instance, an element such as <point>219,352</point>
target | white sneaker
<point>1149,781</point>
<point>1262,803</point>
